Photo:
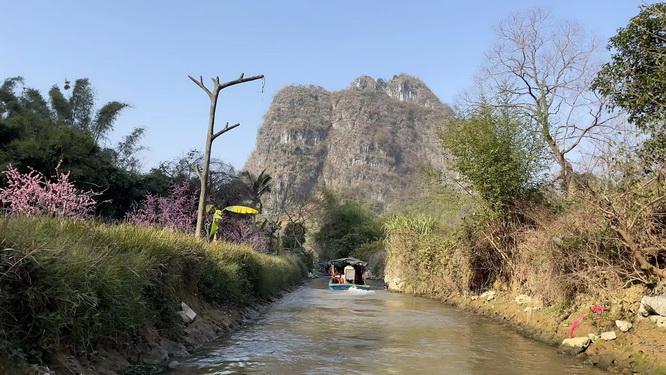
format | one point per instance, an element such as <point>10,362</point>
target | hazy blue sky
<point>141,52</point>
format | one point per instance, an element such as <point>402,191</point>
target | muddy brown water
<point>313,330</point>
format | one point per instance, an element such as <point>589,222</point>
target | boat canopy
<point>340,264</point>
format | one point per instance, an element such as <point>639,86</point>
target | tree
<point>546,67</point>
<point>495,154</point>
<point>34,136</point>
<point>124,155</point>
<point>635,78</point>
<point>211,136</point>
<point>294,236</point>
<point>174,211</point>
<point>256,186</point>
<point>344,227</point>
<point>31,194</point>
<point>79,109</point>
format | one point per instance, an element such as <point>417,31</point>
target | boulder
<point>652,306</point>
<point>523,299</point>
<point>187,314</point>
<point>623,325</point>
<point>155,356</point>
<point>488,295</point>
<point>574,345</point>
<point>396,285</point>
<point>607,336</point>
<point>660,321</point>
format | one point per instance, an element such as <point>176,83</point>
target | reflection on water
<point>315,331</point>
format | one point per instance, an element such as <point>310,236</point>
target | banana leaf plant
<point>217,216</point>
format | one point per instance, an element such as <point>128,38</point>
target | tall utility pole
<point>211,136</point>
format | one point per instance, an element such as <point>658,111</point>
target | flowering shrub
<point>32,194</point>
<point>177,211</point>
<point>243,231</point>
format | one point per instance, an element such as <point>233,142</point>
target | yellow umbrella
<point>241,210</point>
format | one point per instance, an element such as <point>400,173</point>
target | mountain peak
<point>402,87</point>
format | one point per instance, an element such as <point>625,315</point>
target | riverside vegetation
<point>491,208</point>
<point>94,282</point>
<point>86,289</point>
<point>581,256</point>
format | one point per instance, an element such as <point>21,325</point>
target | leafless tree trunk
<point>211,136</point>
<point>546,68</point>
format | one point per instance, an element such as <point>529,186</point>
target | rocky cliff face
<point>372,138</point>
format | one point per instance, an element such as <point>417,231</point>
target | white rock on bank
<point>523,299</point>
<point>396,284</point>
<point>652,306</point>
<point>574,345</point>
<point>623,325</point>
<point>607,336</point>
<point>187,314</point>
<point>489,295</point>
<point>659,320</point>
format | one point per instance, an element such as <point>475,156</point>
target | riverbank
<point>640,350</point>
<point>84,297</point>
<point>565,268</point>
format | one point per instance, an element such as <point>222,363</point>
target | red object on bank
<point>595,310</point>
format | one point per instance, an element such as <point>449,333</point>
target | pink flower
<point>32,194</point>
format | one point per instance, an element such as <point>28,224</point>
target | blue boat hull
<point>347,286</point>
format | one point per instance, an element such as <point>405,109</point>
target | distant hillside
<point>372,138</point>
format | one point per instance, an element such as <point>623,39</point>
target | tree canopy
<point>635,78</point>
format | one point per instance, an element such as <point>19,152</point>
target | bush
<point>84,285</point>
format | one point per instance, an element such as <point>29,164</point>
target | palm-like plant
<point>256,186</point>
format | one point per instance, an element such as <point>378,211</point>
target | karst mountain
<point>373,139</point>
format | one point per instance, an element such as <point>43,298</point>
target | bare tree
<point>211,136</point>
<point>546,69</point>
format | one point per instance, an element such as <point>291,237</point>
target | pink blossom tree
<point>244,231</point>
<point>177,211</point>
<point>32,194</point>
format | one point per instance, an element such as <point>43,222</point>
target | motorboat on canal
<point>347,273</point>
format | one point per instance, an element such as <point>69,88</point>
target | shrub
<point>32,194</point>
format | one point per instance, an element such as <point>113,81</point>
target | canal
<point>316,331</point>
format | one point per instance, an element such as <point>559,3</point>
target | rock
<point>574,346</point>
<point>474,298</point>
<point>187,314</point>
<point>488,295</point>
<point>592,337</point>
<point>155,356</point>
<point>396,285</point>
<point>173,364</point>
<point>652,306</point>
<point>311,275</point>
<point>607,336</point>
<point>623,325</point>
<point>523,299</point>
<point>659,320</point>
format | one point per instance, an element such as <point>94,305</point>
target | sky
<point>141,52</point>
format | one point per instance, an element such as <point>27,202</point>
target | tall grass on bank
<point>77,284</point>
<point>426,255</point>
<point>554,255</point>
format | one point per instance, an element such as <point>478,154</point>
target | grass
<point>81,285</point>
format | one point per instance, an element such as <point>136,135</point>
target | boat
<point>347,273</point>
